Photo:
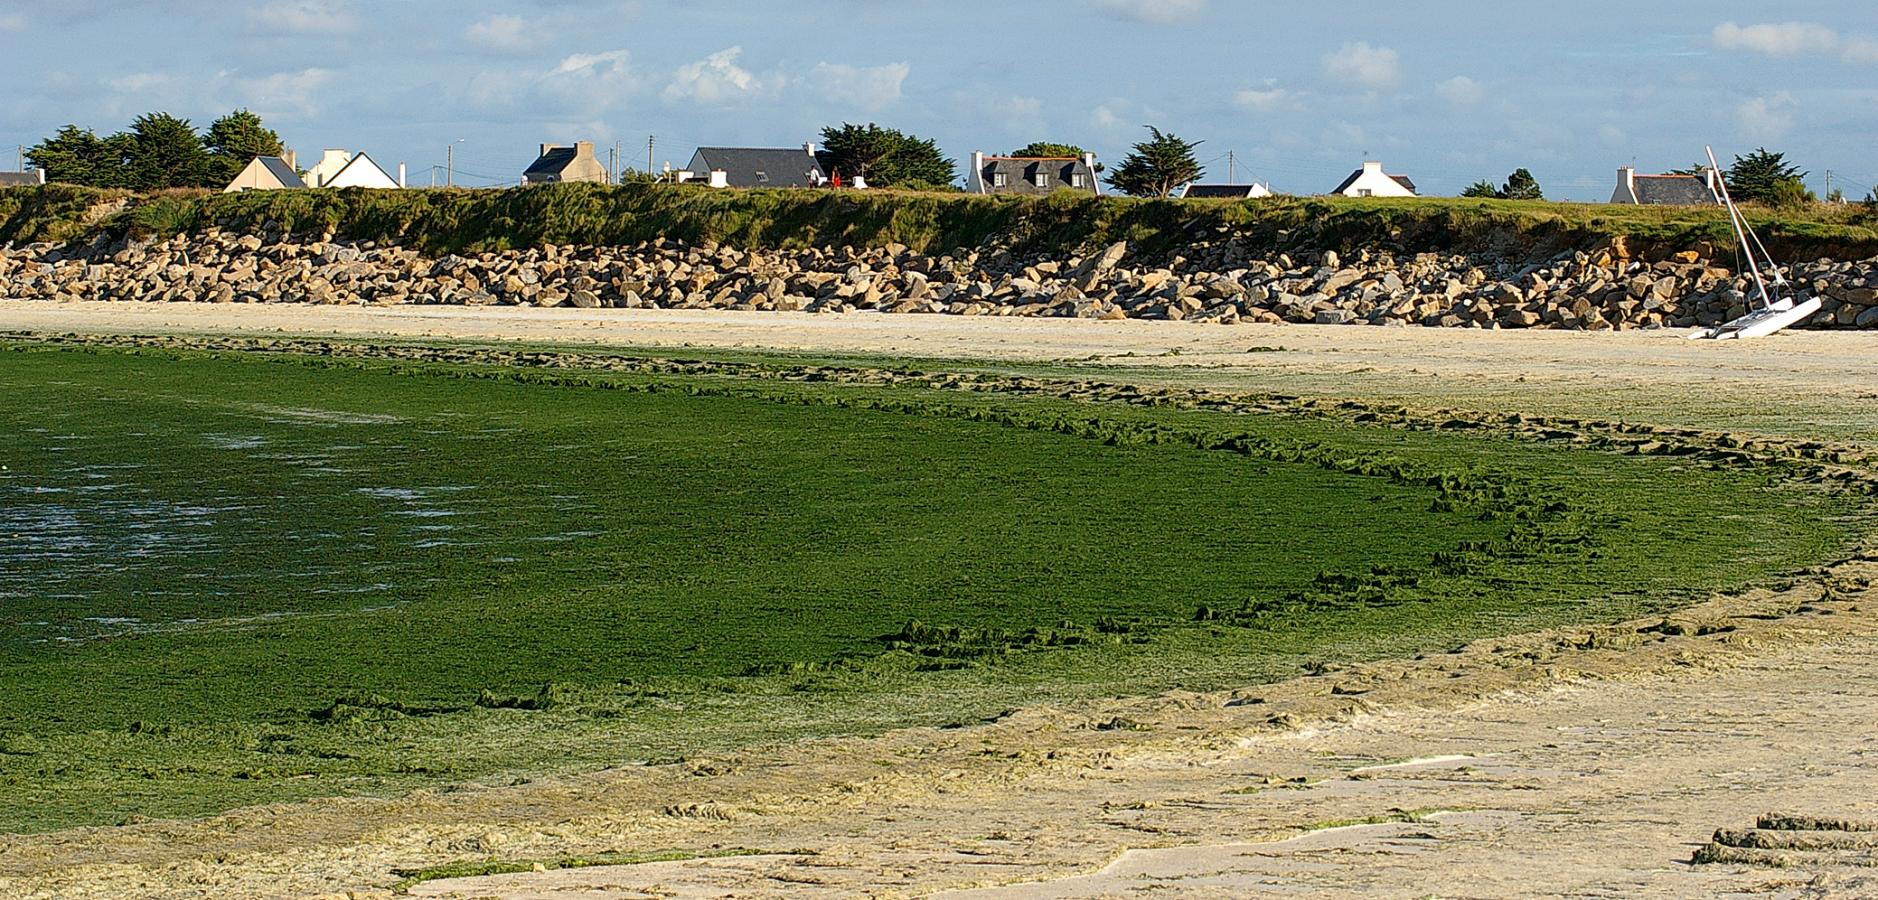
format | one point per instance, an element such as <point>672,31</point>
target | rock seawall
<point>1225,283</point>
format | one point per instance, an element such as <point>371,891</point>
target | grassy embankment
<point>240,580</point>
<point>442,220</point>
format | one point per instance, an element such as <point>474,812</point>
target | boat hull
<point>1761,322</point>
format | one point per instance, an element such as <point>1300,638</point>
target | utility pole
<point>1231,172</point>
<point>449,158</point>
<point>652,141</point>
<point>1828,194</point>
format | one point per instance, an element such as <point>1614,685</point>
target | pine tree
<point>1157,166</point>
<point>78,156</point>
<point>1756,177</point>
<point>166,153</point>
<point>1481,190</point>
<point>886,157</point>
<point>1521,186</point>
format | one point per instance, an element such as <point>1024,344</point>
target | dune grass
<point>460,220</point>
<point>234,580</point>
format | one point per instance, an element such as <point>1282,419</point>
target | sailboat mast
<point>1741,230</point>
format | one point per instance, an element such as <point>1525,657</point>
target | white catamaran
<point>1775,307</point>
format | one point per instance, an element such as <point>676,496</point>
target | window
<point>1043,179</point>
<point>762,177</point>
<point>1076,181</point>
<point>999,180</point>
<point>1365,192</point>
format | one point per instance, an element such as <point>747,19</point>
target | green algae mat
<point>234,578</point>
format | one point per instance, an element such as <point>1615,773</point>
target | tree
<point>886,157</point>
<point>234,140</point>
<point>1482,189</point>
<point>1754,177</point>
<point>1522,186</point>
<point>78,156</point>
<point>1790,193</point>
<point>1156,166</point>
<point>1519,186</point>
<point>165,153</point>
<point>1048,150</point>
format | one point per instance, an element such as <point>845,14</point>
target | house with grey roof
<point>755,167</point>
<point>1666,190</point>
<point>1225,191</point>
<point>1032,175</point>
<point>558,163</point>
<point>22,179</point>
<point>266,173</point>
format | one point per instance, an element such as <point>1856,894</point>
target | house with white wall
<point>361,171</point>
<point>1371,181</point>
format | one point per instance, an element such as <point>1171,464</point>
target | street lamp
<point>449,155</point>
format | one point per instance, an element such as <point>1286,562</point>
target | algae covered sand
<point>233,579</point>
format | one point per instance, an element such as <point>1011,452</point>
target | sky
<point>1299,94</point>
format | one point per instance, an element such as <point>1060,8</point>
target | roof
<point>371,171</point>
<point>1673,190</point>
<point>553,161</point>
<point>1021,174</point>
<point>282,172</point>
<point>1237,191</point>
<point>1402,180</point>
<point>792,167</point>
<point>19,179</point>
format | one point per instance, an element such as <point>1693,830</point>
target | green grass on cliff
<point>235,580</point>
<point>444,220</point>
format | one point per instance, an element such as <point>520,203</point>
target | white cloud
<point>285,94</point>
<point>1776,38</point>
<point>715,80</point>
<point>1159,12</point>
<point>503,34</point>
<point>1613,136</point>
<point>868,88</point>
<point>1104,117</point>
<point>589,82</point>
<point>1766,117</point>
<point>141,82</point>
<point>304,17</point>
<point>12,22</point>
<point>1861,51</point>
<point>1359,63</point>
<point>1461,91</point>
<point>1262,100</point>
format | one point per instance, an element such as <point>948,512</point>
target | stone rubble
<point>1223,283</point>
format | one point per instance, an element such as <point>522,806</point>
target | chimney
<point>1088,159</point>
<point>1627,182</point>
<point>583,148</point>
<point>546,147</point>
<point>401,173</point>
<point>978,172</point>
<point>288,157</point>
<point>1372,166</point>
<point>809,148</point>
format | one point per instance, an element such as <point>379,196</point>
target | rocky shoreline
<point>1226,282</point>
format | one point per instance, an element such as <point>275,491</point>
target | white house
<point>331,162</point>
<point>362,172</point>
<point>1371,181</point>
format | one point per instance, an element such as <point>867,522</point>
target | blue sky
<point>1444,91</point>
